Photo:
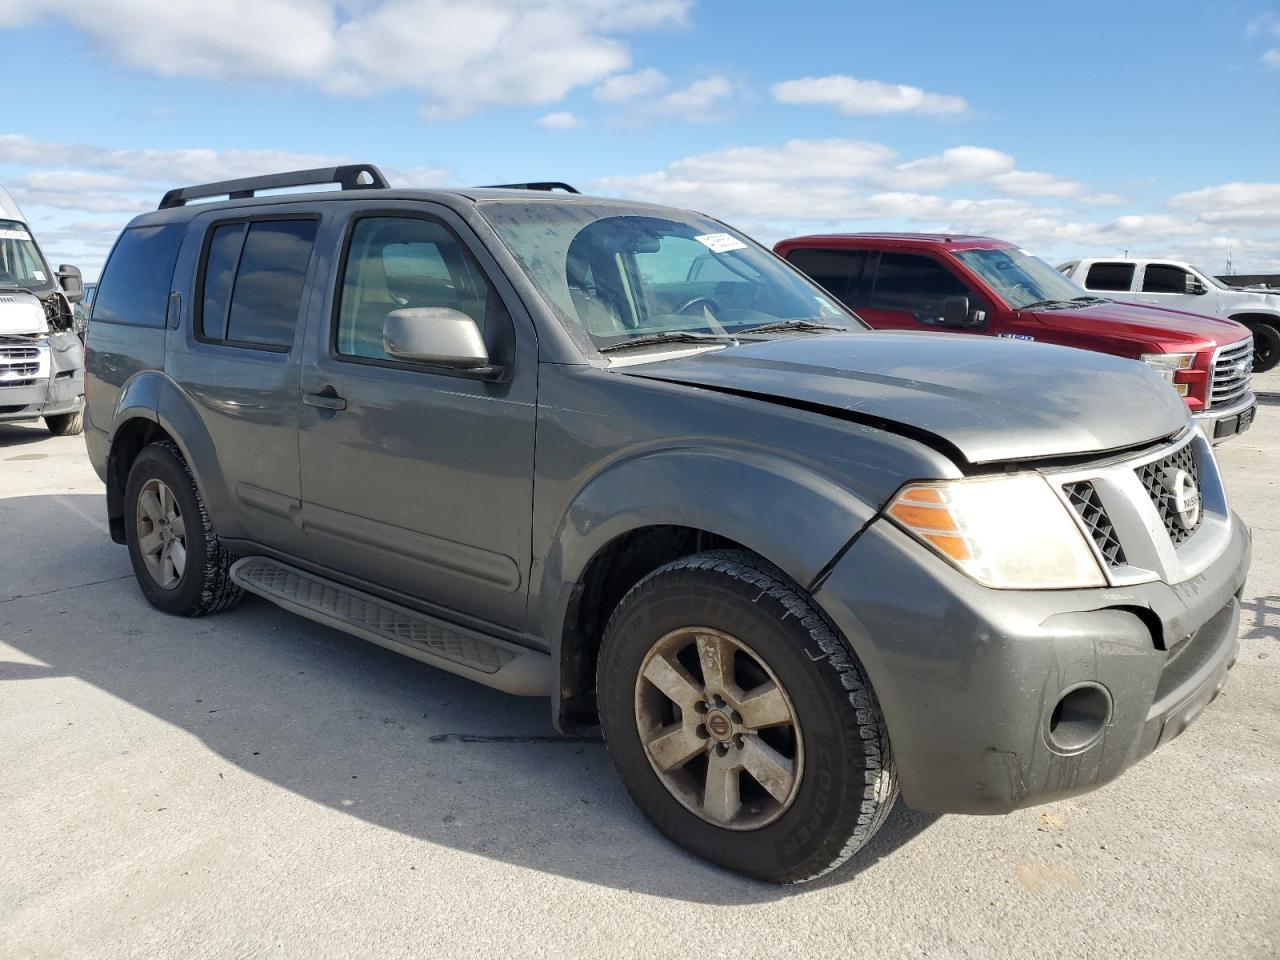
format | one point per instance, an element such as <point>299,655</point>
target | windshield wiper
<point>669,336</point>
<point>789,325</point>
<point>1090,300</point>
<point>1047,304</point>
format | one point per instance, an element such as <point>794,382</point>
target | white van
<point>41,355</point>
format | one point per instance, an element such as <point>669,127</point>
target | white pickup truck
<point>1180,286</point>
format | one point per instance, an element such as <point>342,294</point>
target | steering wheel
<point>709,302</point>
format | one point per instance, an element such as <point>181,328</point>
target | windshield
<point>619,275</point>
<point>21,264</point>
<point>1019,278</point>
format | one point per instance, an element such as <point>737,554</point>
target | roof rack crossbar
<point>351,176</point>
<point>547,185</point>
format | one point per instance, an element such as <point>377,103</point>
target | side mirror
<point>955,312</point>
<point>440,336</point>
<point>71,281</point>
<point>1195,286</point>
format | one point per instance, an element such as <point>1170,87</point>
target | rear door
<point>845,274</point>
<point>237,360</point>
<point>1113,279</point>
<point>417,479</point>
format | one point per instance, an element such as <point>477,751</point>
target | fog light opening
<point>1079,718</point>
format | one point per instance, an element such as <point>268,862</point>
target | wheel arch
<point>151,407</point>
<point>638,515</point>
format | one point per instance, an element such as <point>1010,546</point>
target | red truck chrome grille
<point>1231,373</point>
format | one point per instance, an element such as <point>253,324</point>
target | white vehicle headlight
<point>1010,532</point>
<point>1167,364</point>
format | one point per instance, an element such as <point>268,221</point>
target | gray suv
<point>623,457</point>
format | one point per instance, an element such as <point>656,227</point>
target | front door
<point>418,479</point>
<point>907,291</point>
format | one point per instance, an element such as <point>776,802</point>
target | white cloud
<point>956,165</point>
<point>701,101</point>
<point>461,55</point>
<point>1234,204</point>
<point>118,184</point>
<point>1028,183</point>
<point>560,120</point>
<point>628,86</point>
<point>853,97</point>
<point>832,185</point>
<point>1272,58</point>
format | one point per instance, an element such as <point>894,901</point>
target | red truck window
<point>840,272</point>
<point>911,283</point>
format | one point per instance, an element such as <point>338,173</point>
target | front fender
<point>782,510</point>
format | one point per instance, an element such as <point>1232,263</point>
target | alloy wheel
<point>718,728</point>
<point>162,534</point>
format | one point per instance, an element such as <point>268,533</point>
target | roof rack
<point>547,185</point>
<point>348,176</point>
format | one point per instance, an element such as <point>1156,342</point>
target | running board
<point>470,654</point>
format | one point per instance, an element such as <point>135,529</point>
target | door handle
<point>326,399</point>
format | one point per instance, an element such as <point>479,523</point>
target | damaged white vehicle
<point>41,355</point>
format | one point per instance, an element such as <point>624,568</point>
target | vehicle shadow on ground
<point>365,731</point>
<point>17,435</point>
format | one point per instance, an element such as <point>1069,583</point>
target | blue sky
<point>1089,128</point>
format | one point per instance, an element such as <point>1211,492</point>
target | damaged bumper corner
<point>997,700</point>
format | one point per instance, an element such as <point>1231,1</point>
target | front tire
<point>179,564</point>
<point>66,424</point>
<point>741,724</point>
<point>1266,346</point>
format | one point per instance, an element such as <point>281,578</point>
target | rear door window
<point>1109,276</point>
<point>135,282</point>
<point>252,284</point>
<point>840,272</point>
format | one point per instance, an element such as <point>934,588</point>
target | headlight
<point>1008,532</point>
<point>1167,364</point>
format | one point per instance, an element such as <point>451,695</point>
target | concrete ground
<point>252,785</point>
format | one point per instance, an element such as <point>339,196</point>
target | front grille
<point>1084,500</point>
<point>1232,372</point>
<point>19,366</point>
<point>1157,480</point>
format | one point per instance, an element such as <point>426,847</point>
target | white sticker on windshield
<point>720,242</point>
<point>14,235</point>
<point>38,274</point>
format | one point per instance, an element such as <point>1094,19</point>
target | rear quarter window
<point>134,288</point>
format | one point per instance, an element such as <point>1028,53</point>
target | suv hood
<point>987,399</point>
<point>21,313</point>
<point>1149,326</point>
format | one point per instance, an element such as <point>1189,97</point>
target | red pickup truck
<point>985,286</point>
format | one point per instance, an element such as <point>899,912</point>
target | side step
<point>470,654</point>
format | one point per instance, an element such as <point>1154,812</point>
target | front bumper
<point>969,677</point>
<point>44,398</point>
<point>1222,423</point>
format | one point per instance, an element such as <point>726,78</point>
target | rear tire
<point>829,781</point>
<point>66,424</point>
<point>1266,345</point>
<point>179,564</point>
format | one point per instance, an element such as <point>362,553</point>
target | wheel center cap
<point>719,725</point>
